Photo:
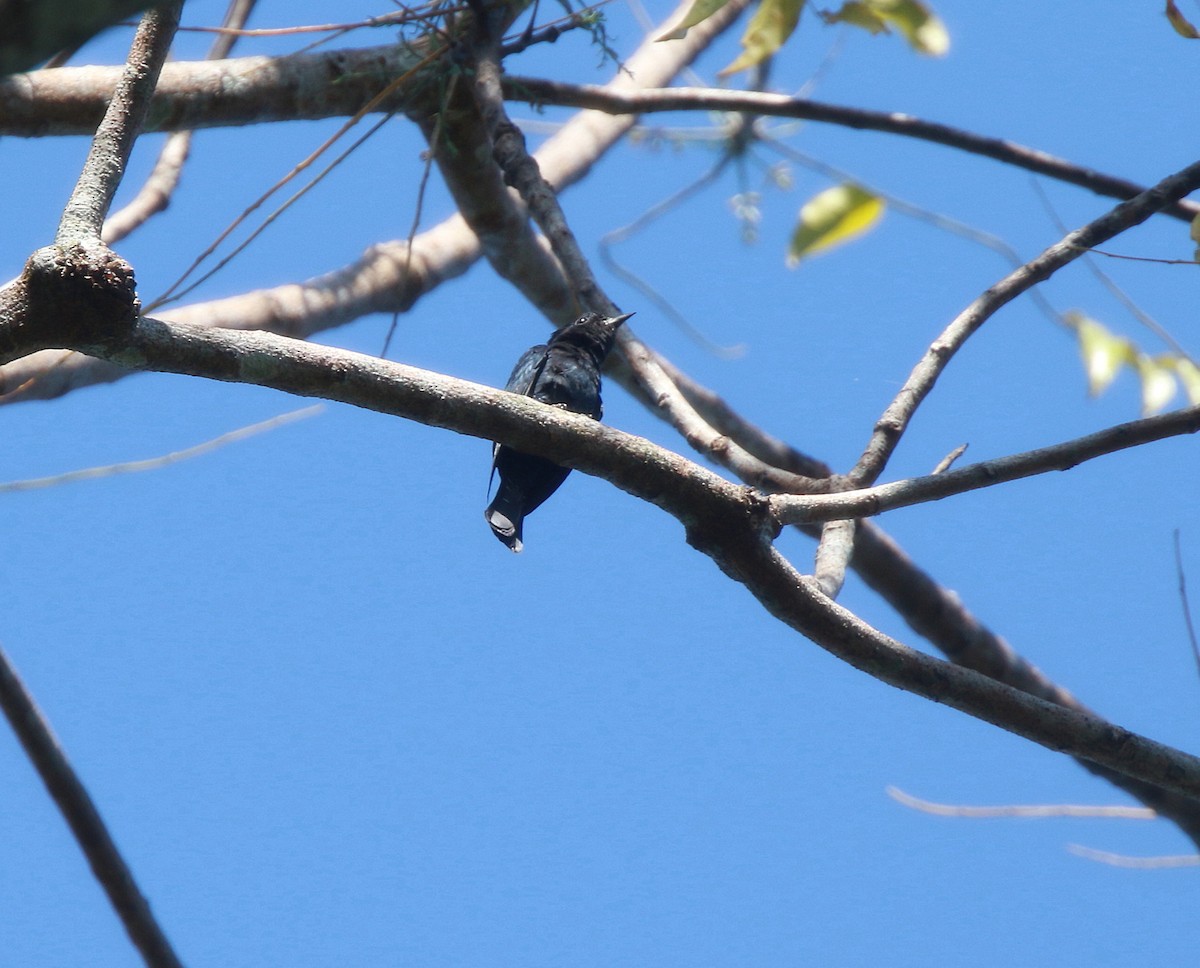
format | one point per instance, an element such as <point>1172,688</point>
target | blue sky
<point>330,720</point>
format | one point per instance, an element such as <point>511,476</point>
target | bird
<point>563,372</point>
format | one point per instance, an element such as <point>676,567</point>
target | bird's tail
<point>505,517</point>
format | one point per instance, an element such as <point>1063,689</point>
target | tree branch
<point>538,91</point>
<point>83,218</point>
<point>729,523</point>
<point>892,424</point>
<point>81,815</point>
<point>800,509</point>
<point>931,610</point>
<point>155,194</point>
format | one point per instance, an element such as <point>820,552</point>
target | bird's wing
<point>529,367</point>
<point>522,380</point>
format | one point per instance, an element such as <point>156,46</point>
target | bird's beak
<point>618,320</point>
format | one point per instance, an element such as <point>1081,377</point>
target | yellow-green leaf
<point>921,27</point>
<point>1158,382</point>
<point>1189,376</point>
<point>1195,231</point>
<point>700,11</point>
<point>771,25</point>
<point>1182,25</point>
<point>857,14</point>
<point>831,217</point>
<point>1103,353</point>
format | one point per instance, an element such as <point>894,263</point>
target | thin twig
<point>155,463</point>
<point>891,425</point>
<point>435,139</point>
<point>174,292</point>
<point>539,91</point>
<point>1105,280</point>
<point>794,509</point>
<point>1183,599</point>
<point>270,219</point>
<point>658,209</point>
<point>1038,811</point>
<point>155,194</point>
<point>834,551</point>
<point>77,808</point>
<point>1134,863</point>
<point>83,217</point>
<point>908,209</point>
<point>948,461</point>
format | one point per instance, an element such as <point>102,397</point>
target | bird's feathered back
<point>563,372</point>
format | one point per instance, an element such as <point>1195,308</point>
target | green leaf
<point>1189,376</point>
<point>1182,25</point>
<point>771,25</point>
<point>1158,382</point>
<point>1103,353</point>
<point>700,11</point>
<point>857,14</point>
<point>831,217</point>
<point>921,27</point>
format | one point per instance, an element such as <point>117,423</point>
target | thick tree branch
<point>729,523</point>
<point>81,815</point>
<point>387,279</point>
<point>931,610</point>
<point>373,283</point>
<point>799,509</point>
<point>252,90</point>
<point>210,94</point>
<point>892,424</point>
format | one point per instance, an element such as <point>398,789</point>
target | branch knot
<point>78,293</point>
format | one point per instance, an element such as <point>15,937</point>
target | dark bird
<point>565,372</point>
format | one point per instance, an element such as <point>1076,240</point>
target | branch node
<point>79,293</point>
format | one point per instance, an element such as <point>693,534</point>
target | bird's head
<point>594,332</point>
<point>592,328</point>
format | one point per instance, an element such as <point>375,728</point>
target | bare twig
<point>1183,598</point>
<point>155,194</point>
<point>1143,317</point>
<point>948,461</point>
<point>539,91</point>
<point>84,215</point>
<point>174,292</point>
<point>795,509</point>
<point>1134,863</point>
<point>726,522</point>
<point>77,808</point>
<point>70,100</point>
<point>892,424</point>
<point>155,463</point>
<point>833,555</point>
<point>1038,811</point>
<point>435,138</point>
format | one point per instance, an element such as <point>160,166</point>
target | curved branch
<point>931,610</point>
<point>731,524</point>
<point>386,279</point>
<point>892,424</point>
<point>538,91</point>
<point>800,509</point>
